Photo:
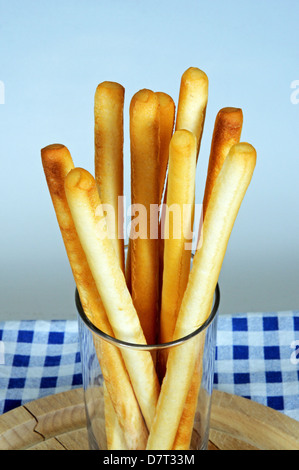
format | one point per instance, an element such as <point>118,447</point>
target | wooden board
<point>58,422</point>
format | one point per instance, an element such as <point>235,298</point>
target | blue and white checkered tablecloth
<point>257,357</point>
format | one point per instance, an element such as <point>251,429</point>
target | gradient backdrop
<point>53,55</point>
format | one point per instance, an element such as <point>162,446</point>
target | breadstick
<point>227,132</point>
<point>167,117</point>
<point>57,163</point>
<point>177,255</point>
<point>192,104</point>
<point>191,112</point>
<point>108,140</point>
<point>226,198</point>
<point>144,256</point>
<point>166,124</point>
<point>109,137</point>
<point>89,220</point>
<point>114,435</point>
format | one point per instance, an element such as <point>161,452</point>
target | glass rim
<point>147,347</point>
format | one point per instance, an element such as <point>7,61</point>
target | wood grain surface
<point>58,422</point>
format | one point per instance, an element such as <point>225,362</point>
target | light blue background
<point>52,56</point>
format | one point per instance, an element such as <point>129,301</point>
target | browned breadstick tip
<point>79,178</point>
<point>52,155</point>
<point>109,85</point>
<point>182,142</point>
<point>192,104</point>
<point>143,96</point>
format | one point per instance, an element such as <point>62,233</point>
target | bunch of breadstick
<point>154,295</point>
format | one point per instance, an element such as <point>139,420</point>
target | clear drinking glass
<point>94,344</point>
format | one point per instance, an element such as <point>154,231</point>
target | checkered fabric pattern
<point>257,357</point>
<point>38,358</point>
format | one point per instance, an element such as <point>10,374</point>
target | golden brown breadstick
<point>108,140</point>
<point>57,163</point>
<point>191,112</point>
<point>166,124</point>
<point>109,137</point>
<point>167,117</point>
<point>144,256</point>
<point>226,198</point>
<point>114,435</point>
<point>177,230</point>
<point>90,223</point>
<point>192,104</point>
<point>227,132</point>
